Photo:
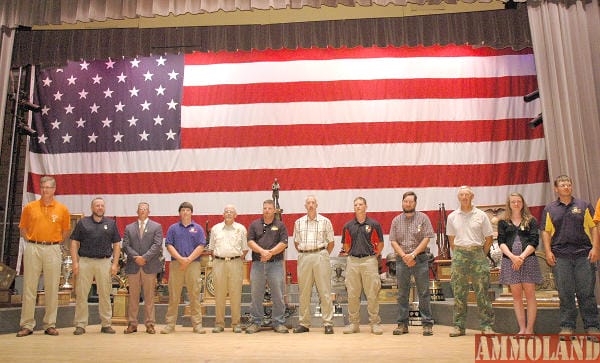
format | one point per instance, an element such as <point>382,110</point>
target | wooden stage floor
<point>185,346</point>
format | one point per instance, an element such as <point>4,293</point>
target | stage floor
<point>185,346</point>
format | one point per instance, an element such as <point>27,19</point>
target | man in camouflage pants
<point>470,234</point>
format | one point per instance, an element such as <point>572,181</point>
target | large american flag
<point>217,128</point>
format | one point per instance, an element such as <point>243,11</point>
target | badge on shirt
<point>576,210</point>
<point>274,228</point>
<point>368,228</point>
<point>193,230</point>
<point>54,218</point>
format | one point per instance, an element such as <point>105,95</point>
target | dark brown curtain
<point>497,29</point>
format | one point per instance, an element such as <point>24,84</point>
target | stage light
<point>531,96</point>
<point>24,129</point>
<point>537,121</point>
<point>29,106</point>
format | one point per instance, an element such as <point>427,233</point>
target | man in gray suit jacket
<point>143,244</point>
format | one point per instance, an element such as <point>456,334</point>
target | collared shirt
<point>96,238</point>
<point>469,229</point>
<point>185,239</point>
<point>267,236</point>
<point>570,226</point>
<point>228,240</point>
<point>409,232</point>
<point>361,239</point>
<point>45,222</point>
<point>312,234</point>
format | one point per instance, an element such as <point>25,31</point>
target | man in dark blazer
<point>143,245</point>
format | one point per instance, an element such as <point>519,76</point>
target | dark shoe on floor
<point>51,331</point>
<point>427,330</point>
<point>24,332</point>
<point>281,329</point>
<point>328,329</point>
<point>79,331</point>
<point>150,329</point>
<point>456,332</point>
<point>107,330</point>
<point>401,329</point>
<point>300,329</point>
<point>130,329</point>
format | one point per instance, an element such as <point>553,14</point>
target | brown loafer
<point>150,329</point>
<point>51,331</point>
<point>24,332</point>
<point>130,329</point>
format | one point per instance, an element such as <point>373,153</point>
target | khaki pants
<point>315,268</point>
<point>363,274</point>
<point>138,282</point>
<point>38,260</point>
<point>91,269</point>
<point>228,278</point>
<point>177,278</point>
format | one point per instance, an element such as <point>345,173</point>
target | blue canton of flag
<point>109,105</point>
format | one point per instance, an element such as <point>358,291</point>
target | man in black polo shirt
<point>94,241</point>
<point>571,243</point>
<point>362,239</point>
<point>267,238</point>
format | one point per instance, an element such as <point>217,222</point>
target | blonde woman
<point>518,237</point>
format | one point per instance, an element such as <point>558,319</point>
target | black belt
<point>96,257</point>
<point>361,256</point>
<point>227,258</point>
<point>43,242</point>
<point>313,250</point>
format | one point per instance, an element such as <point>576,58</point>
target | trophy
<point>67,272</point>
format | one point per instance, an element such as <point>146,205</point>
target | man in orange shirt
<point>45,223</point>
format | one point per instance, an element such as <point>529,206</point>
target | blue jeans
<point>261,274</point>
<point>576,277</point>
<point>421,273</point>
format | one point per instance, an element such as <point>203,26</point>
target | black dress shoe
<point>300,329</point>
<point>328,329</point>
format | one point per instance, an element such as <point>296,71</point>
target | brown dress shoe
<point>150,329</point>
<point>24,332</point>
<point>51,331</point>
<point>130,329</point>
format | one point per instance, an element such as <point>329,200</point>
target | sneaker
<point>168,329</point>
<point>198,329</point>
<point>351,329</point>
<point>594,334</point>
<point>487,330</point>
<point>566,334</point>
<point>401,329</point>
<point>328,329</point>
<point>252,328</point>
<point>218,329</point>
<point>376,329</point>
<point>237,329</point>
<point>281,329</point>
<point>427,330</point>
<point>456,332</point>
<point>79,331</point>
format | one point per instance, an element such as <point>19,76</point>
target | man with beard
<point>409,235</point>
<point>93,242</point>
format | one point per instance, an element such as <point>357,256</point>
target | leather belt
<point>227,258</point>
<point>468,248</point>
<point>313,250</point>
<point>46,243</point>
<point>361,256</point>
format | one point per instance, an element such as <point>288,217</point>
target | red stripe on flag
<point>356,53</point>
<point>359,133</point>
<point>357,90</point>
<point>303,179</point>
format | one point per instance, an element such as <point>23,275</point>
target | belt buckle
<point>227,258</point>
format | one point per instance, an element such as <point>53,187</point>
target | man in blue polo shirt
<point>185,242</point>
<point>572,248</point>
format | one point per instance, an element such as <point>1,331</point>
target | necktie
<point>141,229</point>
